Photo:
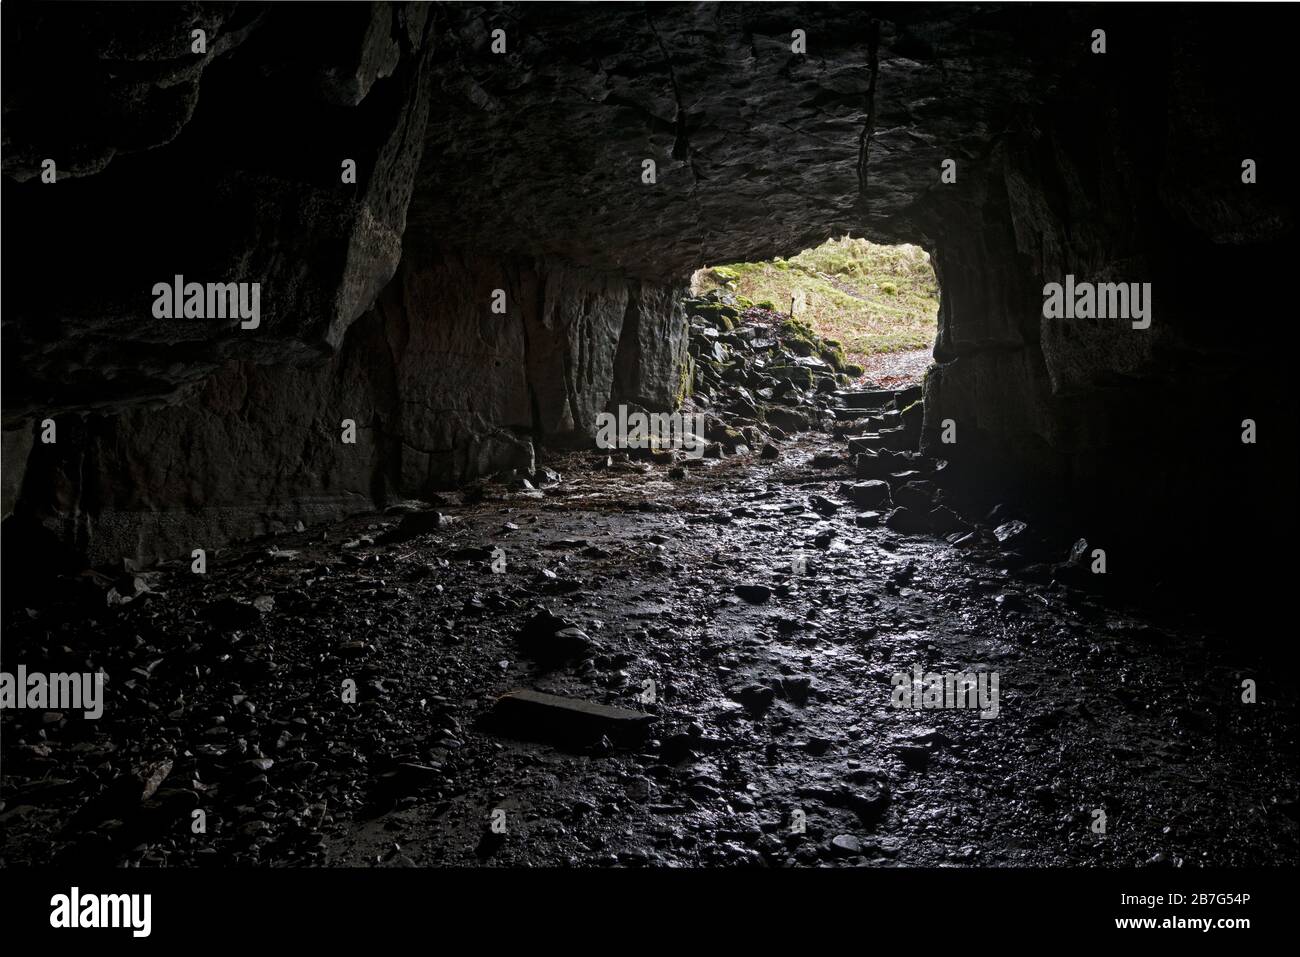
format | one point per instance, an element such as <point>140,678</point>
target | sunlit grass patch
<point>871,298</point>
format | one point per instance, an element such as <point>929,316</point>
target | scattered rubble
<point>643,660</point>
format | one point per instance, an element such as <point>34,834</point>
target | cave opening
<point>876,305</point>
<point>834,340</point>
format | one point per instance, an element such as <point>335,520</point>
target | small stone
<point>845,845</point>
<point>869,494</point>
<point>907,521</point>
<point>1009,531</point>
<point>822,505</point>
<point>754,594</point>
<point>547,637</point>
<point>756,699</point>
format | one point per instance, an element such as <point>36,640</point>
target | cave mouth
<point>876,305</point>
<point>834,340</point>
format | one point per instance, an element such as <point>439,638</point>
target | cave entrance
<point>836,339</point>
<point>879,304</point>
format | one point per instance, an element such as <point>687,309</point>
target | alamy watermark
<point>179,299</point>
<point>76,910</point>
<point>946,690</point>
<point>1100,300</point>
<point>651,430</point>
<point>38,691</point>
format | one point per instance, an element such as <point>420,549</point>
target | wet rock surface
<point>226,691</point>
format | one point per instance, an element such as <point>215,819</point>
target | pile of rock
<point>760,373</point>
<point>913,493</point>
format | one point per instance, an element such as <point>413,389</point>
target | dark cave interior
<point>501,272</point>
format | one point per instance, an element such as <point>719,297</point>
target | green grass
<point>870,298</point>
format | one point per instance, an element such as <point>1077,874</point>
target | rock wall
<point>441,390</point>
<point>525,171</point>
<point>1134,430</point>
<point>221,166</point>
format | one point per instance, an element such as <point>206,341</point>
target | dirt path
<point>896,370</point>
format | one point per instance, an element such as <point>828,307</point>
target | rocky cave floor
<point>225,693</point>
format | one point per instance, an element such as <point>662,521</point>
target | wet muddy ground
<point>774,742</point>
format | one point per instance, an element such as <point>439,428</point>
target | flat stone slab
<point>538,716</point>
<point>870,399</point>
<point>848,415</point>
<point>898,440</point>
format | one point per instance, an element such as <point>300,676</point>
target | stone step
<point>868,442</point>
<point>847,415</point>
<point>886,464</point>
<point>535,715</point>
<point>897,440</point>
<point>870,399</point>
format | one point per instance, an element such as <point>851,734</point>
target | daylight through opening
<point>868,310</point>
<point>837,338</point>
